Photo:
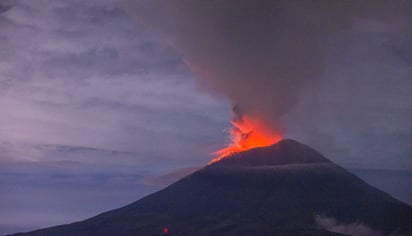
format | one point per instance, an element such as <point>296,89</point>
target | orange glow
<point>245,134</point>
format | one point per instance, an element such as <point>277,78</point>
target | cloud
<point>86,99</point>
<point>5,6</point>
<point>355,229</point>
<point>88,78</point>
<point>169,178</point>
<point>361,115</point>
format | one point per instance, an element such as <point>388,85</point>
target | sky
<point>97,110</point>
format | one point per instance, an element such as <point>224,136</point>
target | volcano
<point>283,189</point>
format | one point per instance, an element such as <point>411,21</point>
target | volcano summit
<point>284,189</point>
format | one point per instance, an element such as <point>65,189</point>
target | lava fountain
<point>246,133</point>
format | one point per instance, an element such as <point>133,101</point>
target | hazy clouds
<point>87,101</point>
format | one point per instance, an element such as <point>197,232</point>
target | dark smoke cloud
<point>264,54</point>
<point>5,6</point>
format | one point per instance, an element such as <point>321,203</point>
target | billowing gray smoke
<point>260,54</point>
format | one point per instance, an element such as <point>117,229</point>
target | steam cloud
<point>355,229</point>
<point>260,54</point>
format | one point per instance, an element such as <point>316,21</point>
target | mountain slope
<point>275,190</point>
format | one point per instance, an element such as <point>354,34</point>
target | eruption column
<point>246,133</point>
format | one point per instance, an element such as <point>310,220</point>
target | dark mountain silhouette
<point>277,190</point>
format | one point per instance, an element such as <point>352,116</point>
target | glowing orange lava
<point>245,134</point>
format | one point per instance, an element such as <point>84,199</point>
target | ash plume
<point>264,54</point>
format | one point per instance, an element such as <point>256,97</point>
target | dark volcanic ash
<point>262,55</point>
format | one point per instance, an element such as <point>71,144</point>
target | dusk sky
<point>97,110</point>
